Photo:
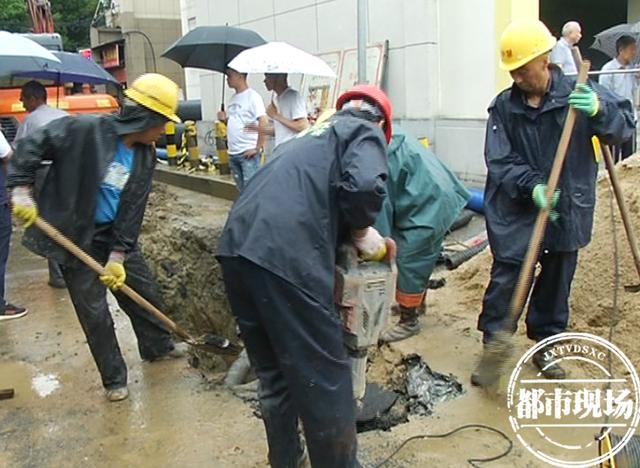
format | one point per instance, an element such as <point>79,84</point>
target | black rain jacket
<point>295,210</point>
<point>80,149</point>
<point>520,148</point>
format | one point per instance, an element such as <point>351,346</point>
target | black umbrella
<point>72,68</point>
<point>605,41</point>
<point>212,47</point>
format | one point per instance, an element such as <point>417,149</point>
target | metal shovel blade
<point>215,344</point>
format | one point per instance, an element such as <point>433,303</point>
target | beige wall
<point>633,11</point>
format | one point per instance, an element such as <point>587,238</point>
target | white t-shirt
<point>290,104</point>
<point>245,108</point>
<point>5,148</point>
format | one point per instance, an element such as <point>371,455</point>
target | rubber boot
<point>491,364</point>
<point>545,363</point>
<point>407,326</point>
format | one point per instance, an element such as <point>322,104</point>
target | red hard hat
<point>372,94</point>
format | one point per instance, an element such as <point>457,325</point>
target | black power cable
<point>472,461</point>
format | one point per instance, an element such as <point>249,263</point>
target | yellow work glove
<point>370,244</point>
<point>23,205</point>
<point>114,273</point>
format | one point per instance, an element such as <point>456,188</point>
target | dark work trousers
<point>548,312</point>
<point>296,348</point>
<point>88,295</point>
<point>55,272</point>
<point>5,239</point>
<point>624,150</point>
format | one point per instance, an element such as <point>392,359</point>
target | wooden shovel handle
<point>523,286</point>
<point>85,258</point>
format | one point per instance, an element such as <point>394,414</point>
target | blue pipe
<point>476,200</point>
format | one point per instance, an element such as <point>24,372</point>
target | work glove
<point>370,244</point>
<point>584,99</point>
<point>23,205</point>
<point>540,200</point>
<point>114,273</point>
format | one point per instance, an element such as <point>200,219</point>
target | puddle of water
<point>45,384</point>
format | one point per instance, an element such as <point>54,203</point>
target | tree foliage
<point>72,20</point>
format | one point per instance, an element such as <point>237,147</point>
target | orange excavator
<point>11,110</point>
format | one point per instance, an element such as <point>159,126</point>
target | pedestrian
<point>287,109</point>
<point>95,194</point>
<point>278,252</point>
<point>34,99</point>
<point>8,310</point>
<point>525,123</point>
<point>424,198</point>
<point>245,147</point>
<point>561,54</point>
<point>623,84</point>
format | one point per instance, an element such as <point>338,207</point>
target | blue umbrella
<point>72,68</point>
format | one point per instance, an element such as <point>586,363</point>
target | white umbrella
<point>280,57</point>
<point>17,53</point>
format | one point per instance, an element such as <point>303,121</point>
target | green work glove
<point>584,99</point>
<point>540,200</point>
<point>114,273</point>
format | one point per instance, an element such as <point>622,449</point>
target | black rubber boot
<point>407,326</point>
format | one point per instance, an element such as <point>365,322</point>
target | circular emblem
<point>564,422</point>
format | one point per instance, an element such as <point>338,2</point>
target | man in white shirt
<point>246,108</point>
<point>623,84</point>
<point>8,311</point>
<point>34,99</point>
<point>287,109</point>
<point>561,53</point>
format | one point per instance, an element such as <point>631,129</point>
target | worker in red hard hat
<point>278,252</point>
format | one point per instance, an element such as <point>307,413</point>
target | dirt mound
<point>179,238</point>
<point>592,291</point>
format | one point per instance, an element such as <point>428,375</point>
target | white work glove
<point>370,244</point>
<point>23,205</point>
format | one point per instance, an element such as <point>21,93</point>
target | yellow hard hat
<point>157,93</point>
<point>522,41</point>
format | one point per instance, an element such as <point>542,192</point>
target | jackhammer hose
<point>454,260</point>
<point>461,221</point>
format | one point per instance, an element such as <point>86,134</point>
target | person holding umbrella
<point>623,84</point>
<point>245,147</point>
<point>95,194</point>
<point>278,252</point>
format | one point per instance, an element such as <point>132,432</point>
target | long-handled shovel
<point>624,214</point>
<point>208,342</point>
<point>499,350</point>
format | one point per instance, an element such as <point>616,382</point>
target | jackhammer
<point>364,293</point>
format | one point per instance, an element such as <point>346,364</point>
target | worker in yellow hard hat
<point>523,131</point>
<point>95,194</point>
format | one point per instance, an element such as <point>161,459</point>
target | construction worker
<point>95,194</point>
<point>278,252</point>
<point>523,131</point>
<point>33,96</point>
<point>423,200</point>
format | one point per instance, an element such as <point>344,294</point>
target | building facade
<point>128,37</point>
<point>442,65</point>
